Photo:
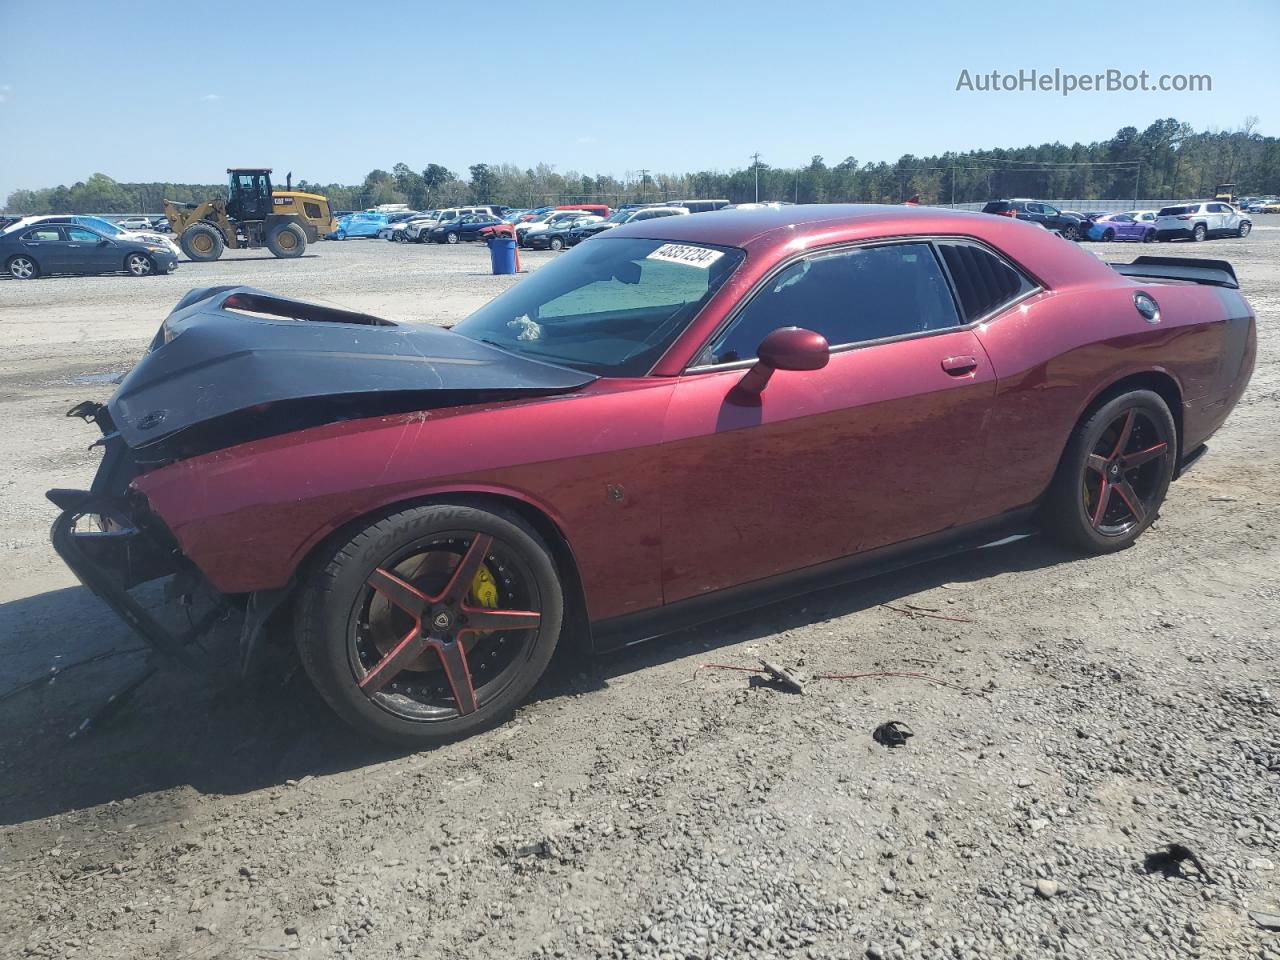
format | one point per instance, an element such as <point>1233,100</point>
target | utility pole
<point>755,163</point>
<point>644,176</point>
<point>1137,180</point>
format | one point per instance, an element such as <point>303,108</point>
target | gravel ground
<point>637,808</point>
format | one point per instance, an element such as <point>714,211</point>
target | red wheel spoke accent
<point>453,657</point>
<point>479,619</point>
<point>1142,456</point>
<point>1132,500</point>
<point>460,580</point>
<point>399,657</point>
<point>1126,430</point>
<point>1100,510</point>
<point>1097,463</point>
<point>398,592</point>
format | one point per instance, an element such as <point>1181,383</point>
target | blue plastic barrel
<point>502,254</point>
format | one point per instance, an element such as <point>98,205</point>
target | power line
<point>1056,163</point>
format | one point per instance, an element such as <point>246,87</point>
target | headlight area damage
<point>228,366</point>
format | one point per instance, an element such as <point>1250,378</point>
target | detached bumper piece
<point>128,546</point>
<point>111,560</point>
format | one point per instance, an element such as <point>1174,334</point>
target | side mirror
<point>787,348</point>
<point>104,243</point>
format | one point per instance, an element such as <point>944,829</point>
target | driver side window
<point>853,296</point>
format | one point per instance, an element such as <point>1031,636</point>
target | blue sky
<point>179,92</point>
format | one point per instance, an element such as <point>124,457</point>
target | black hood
<point>232,364</point>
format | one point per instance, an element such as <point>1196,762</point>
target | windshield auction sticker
<point>699,257</point>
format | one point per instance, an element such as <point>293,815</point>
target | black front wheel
<point>139,265</point>
<point>432,623</point>
<point>1114,474</point>
<point>1071,232</point>
<point>1200,232</point>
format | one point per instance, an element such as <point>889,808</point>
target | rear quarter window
<point>984,282</point>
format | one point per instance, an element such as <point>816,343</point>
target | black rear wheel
<point>432,623</point>
<point>1114,474</point>
<point>286,240</point>
<point>23,267</point>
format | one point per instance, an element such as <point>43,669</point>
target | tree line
<point>1167,160</point>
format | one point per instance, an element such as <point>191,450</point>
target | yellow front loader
<point>251,215</point>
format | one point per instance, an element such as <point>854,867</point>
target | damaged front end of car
<point>112,542</point>
<point>228,367</point>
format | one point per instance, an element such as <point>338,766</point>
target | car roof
<point>776,232</point>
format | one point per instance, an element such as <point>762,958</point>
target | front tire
<point>1149,237</point>
<point>139,265</point>
<point>1108,235</point>
<point>1242,231</point>
<point>1071,232</point>
<point>1114,474</point>
<point>202,242</point>
<point>23,268</point>
<point>450,237</point>
<point>1199,233</point>
<point>286,240</point>
<point>432,623</point>
<point>555,244</point>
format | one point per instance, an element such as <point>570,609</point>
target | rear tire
<point>202,242</point>
<point>1114,474</point>
<point>1149,237</point>
<point>287,240</point>
<point>22,268</point>
<point>556,244</point>
<point>363,647</point>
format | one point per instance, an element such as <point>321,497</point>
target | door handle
<point>960,366</point>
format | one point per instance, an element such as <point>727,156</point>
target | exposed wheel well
<point>576,629</point>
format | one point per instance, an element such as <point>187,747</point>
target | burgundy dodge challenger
<point>682,417</point>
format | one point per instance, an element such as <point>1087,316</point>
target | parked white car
<point>1201,219</point>
<point>397,219</point>
<point>134,223</point>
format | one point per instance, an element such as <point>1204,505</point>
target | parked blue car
<point>359,225</point>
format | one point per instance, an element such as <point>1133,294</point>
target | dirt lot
<point>635,808</point>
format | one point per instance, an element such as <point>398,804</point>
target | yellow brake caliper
<point>484,589</point>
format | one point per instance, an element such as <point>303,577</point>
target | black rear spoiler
<point>1214,273</point>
